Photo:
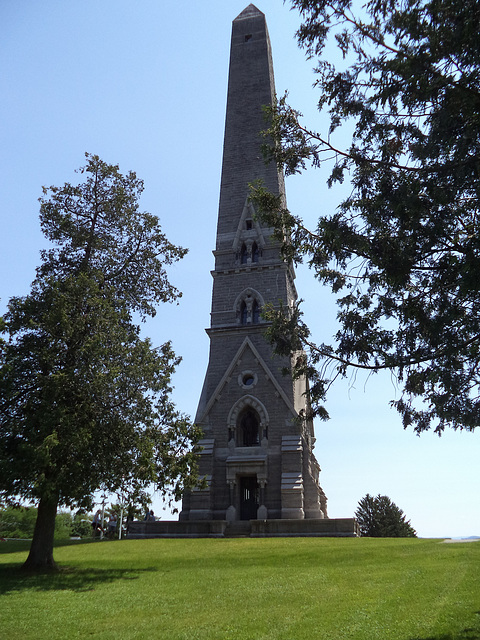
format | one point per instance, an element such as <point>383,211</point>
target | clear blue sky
<point>144,85</point>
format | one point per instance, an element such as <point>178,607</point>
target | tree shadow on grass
<point>470,633</point>
<point>14,579</point>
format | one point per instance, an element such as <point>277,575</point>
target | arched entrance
<point>248,419</point>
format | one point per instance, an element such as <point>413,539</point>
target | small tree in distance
<point>381,518</point>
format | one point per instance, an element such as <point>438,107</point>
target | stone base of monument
<point>285,528</point>
<point>308,527</point>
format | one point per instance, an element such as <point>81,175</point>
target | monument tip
<point>249,12</point>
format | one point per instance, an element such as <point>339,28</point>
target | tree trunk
<point>41,549</point>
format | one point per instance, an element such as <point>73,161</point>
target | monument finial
<point>249,12</point>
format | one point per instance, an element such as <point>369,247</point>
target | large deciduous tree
<point>402,251</point>
<point>84,399</point>
<point>379,517</point>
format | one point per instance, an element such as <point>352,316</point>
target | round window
<point>247,379</point>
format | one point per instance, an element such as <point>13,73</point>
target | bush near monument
<point>84,400</point>
<point>402,251</point>
<point>381,518</point>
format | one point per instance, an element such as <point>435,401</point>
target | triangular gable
<point>247,343</point>
<point>248,212</point>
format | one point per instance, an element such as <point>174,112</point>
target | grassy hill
<point>246,589</point>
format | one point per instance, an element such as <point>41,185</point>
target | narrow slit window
<point>255,312</point>
<point>243,313</point>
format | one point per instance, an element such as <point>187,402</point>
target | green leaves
<point>379,517</point>
<point>84,399</point>
<point>402,251</point>
<point>99,229</point>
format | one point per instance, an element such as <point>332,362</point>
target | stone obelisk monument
<point>257,452</point>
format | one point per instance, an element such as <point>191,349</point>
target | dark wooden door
<point>248,498</point>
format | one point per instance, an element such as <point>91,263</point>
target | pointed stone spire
<point>250,88</point>
<point>257,451</point>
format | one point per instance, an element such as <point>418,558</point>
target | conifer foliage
<point>84,399</point>
<point>381,518</point>
<point>402,251</point>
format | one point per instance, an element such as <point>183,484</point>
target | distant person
<point>129,520</point>
<point>96,523</point>
<point>151,515</point>
<point>112,525</point>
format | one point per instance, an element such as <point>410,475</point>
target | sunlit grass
<point>263,589</point>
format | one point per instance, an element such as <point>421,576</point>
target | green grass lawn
<point>248,589</point>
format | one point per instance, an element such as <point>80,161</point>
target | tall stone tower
<point>257,454</point>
